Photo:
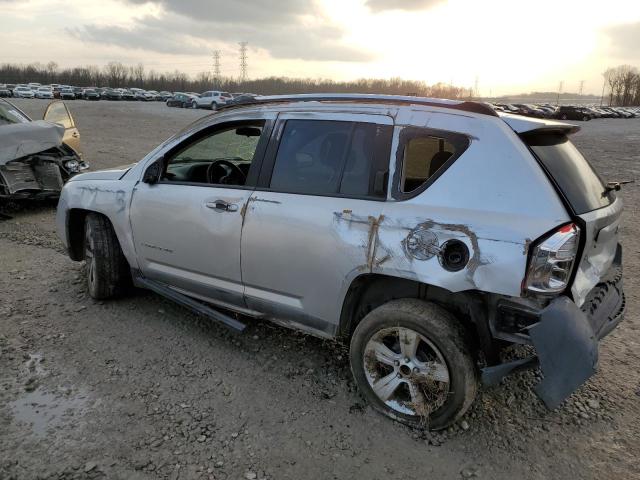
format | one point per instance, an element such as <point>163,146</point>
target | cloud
<point>267,12</point>
<point>625,40</point>
<point>408,5</point>
<point>295,29</point>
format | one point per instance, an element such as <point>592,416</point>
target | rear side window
<point>573,174</point>
<point>331,158</point>
<point>423,154</point>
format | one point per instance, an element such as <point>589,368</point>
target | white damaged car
<point>427,234</point>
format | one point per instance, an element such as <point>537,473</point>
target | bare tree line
<point>116,74</point>
<point>624,85</point>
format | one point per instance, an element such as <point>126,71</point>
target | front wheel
<point>412,363</point>
<point>107,270</point>
<point>194,105</point>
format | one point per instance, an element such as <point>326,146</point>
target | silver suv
<point>427,234</point>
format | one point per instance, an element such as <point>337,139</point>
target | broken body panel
<point>495,199</point>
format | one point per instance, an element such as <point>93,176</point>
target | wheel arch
<point>369,291</point>
<point>76,220</point>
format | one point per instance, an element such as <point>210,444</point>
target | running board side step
<point>188,302</point>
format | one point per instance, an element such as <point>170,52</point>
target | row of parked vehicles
<point>212,99</point>
<point>567,112</point>
<point>68,92</point>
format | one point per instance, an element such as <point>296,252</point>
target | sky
<point>507,46</point>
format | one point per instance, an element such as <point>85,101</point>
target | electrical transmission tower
<point>216,67</point>
<point>243,61</point>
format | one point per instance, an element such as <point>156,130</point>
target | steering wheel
<point>231,169</point>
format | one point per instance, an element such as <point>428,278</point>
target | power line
<point>216,67</point>
<point>243,61</point>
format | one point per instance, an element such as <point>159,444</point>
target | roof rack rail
<point>467,106</point>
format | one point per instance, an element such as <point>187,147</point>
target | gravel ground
<point>140,388</point>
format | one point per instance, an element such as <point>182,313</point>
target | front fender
<point>111,198</point>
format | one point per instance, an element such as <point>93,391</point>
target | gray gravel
<point>140,388</point>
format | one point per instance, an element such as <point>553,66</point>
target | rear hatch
<point>596,209</point>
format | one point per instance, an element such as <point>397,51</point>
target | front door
<point>57,112</point>
<point>309,225</point>
<point>187,226</point>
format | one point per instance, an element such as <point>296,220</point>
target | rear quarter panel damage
<point>494,198</point>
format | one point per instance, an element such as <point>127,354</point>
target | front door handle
<point>222,206</point>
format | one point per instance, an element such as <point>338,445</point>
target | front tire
<point>107,269</point>
<point>412,363</point>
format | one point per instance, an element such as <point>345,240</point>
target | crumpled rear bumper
<point>566,338</point>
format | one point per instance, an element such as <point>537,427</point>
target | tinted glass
<point>324,157</point>
<point>423,157</point>
<point>573,174</point>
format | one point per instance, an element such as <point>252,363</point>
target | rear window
<point>574,175</point>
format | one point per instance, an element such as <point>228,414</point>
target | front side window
<point>326,158</point>
<point>223,157</point>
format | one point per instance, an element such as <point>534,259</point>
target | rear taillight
<point>551,261</point>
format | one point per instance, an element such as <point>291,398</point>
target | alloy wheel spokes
<point>386,386</point>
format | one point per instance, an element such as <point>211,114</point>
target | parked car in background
<point>164,95</point>
<point>37,157</point>
<point>44,92</point>
<point>23,92</point>
<point>156,95</point>
<point>181,100</point>
<point>127,94</point>
<point>569,112</point>
<point>211,99</point>
<point>90,94</point>
<point>110,94</point>
<point>242,98</point>
<point>5,91</point>
<point>67,94</point>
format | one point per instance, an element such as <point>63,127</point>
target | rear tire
<point>194,105</point>
<point>431,387</point>
<point>107,269</point>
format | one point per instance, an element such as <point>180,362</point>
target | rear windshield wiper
<point>615,186</point>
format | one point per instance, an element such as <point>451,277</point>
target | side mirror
<point>152,173</point>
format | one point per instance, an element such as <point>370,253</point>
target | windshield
<point>574,175</point>
<point>10,114</point>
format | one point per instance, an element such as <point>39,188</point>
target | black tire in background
<point>107,269</point>
<point>443,331</point>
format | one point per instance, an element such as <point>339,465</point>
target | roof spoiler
<point>527,125</point>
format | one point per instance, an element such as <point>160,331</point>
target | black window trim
<point>381,158</point>
<point>254,169</point>
<point>460,144</point>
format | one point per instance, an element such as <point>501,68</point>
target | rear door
<point>57,112</point>
<point>308,226</point>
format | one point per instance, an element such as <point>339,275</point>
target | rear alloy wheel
<point>564,116</point>
<point>194,105</point>
<point>412,363</point>
<point>586,119</point>
<point>214,106</point>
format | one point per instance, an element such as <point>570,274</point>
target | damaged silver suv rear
<point>427,234</point>
<point>37,157</point>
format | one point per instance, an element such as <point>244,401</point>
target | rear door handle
<point>222,206</point>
